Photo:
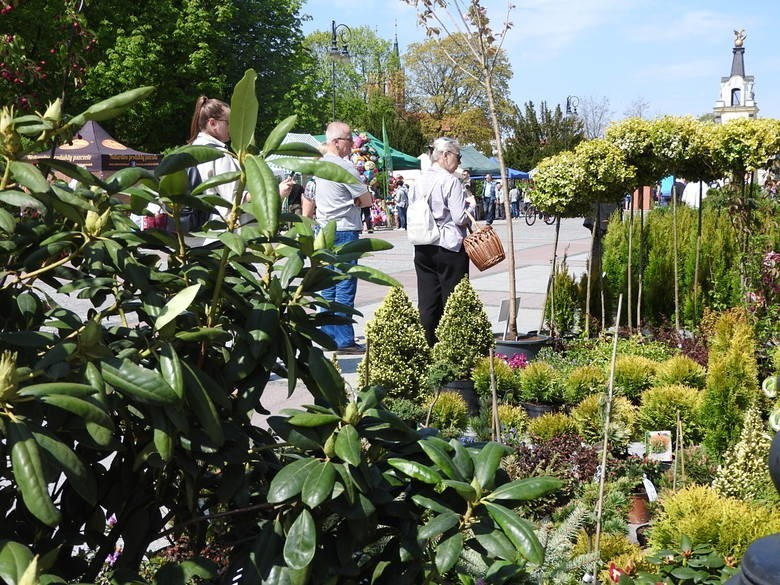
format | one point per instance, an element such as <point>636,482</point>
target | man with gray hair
<point>337,202</point>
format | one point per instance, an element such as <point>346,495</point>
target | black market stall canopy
<point>94,149</point>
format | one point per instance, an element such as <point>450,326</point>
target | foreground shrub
<point>450,414</point>
<point>583,381</point>
<point>539,382</point>
<point>633,375</point>
<point>549,425</point>
<point>503,372</point>
<point>588,415</point>
<point>680,369</point>
<point>706,517</point>
<point>661,405</point>
<point>398,356</point>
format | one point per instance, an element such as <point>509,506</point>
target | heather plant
<point>398,355</point>
<point>731,381</point>
<point>660,406</point>
<point>589,416</point>
<point>706,517</point>
<point>744,473</point>
<point>680,369</point>
<point>633,375</point>
<point>583,381</point>
<point>550,425</point>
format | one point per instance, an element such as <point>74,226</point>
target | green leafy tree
<point>535,136</point>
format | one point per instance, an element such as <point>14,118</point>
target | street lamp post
<point>339,51</point>
<point>572,102</point>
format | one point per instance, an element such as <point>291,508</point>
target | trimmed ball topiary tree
<point>398,355</point>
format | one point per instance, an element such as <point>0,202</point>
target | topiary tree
<point>398,356</point>
<point>680,369</point>
<point>464,333</point>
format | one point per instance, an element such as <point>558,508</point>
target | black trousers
<point>438,272</point>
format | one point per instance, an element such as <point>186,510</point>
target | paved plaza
<point>533,257</point>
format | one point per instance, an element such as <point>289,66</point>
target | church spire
<point>736,91</point>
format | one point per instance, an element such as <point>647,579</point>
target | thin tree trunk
<point>698,255</point>
<point>640,276</point>
<point>676,262</point>
<point>591,280</point>
<point>550,293</point>
<point>629,271</point>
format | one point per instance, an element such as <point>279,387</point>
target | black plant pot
<point>466,389</point>
<point>537,409</point>
<point>527,344</point>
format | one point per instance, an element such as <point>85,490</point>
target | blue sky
<point>670,54</point>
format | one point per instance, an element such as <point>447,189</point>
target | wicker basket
<point>484,247</point>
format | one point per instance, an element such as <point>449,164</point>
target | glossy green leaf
<point>182,573</point>
<point>301,542</point>
<point>67,388</point>
<point>462,459</point>
<point>140,383</point>
<point>28,472</point>
<point>265,204</point>
<point>20,199</point>
<point>202,404</point>
<point>129,176</point>
<point>365,245</point>
<point>498,545</point>
<point>14,559</point>
<point>27,174</point>
<point>243,112</point>
<point>525,489</point>
<point>448,553</point>
<point>161,434</point>
<point>177,305</point>
<point>174,185</point>
<point>78,474</point>
<point>7,222</point>
<point>214,334</point>
<point>441,459</point>
<point>348,445</point>
<point>313,419</point>
<point>233,242</point>
<point>318,485</point>
<point>100,434</point>
<point>464,490</point>
<point>170,367</point>
<point>291,269</point>
<point>329,382</point>
<point>278,134</point>
<point>296,149</point>
<point>438,525</point>
<point>74,171</point>
<point>89,411</point>
<point>111,107</point>
<point>415,470</point>
<point>430,504</point>
<point>519,531</point>
<point>321,169</point>
<point>371,274</point>
<point>486,462</point>
<point>288,482</point>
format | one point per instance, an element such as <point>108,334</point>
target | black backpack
<point>193,219</point>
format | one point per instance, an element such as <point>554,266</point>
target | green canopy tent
<point>400,160</point>
<point>476,163</point>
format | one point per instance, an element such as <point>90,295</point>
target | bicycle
<point>531,213</point>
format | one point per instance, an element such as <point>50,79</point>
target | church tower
<point>736,91</point>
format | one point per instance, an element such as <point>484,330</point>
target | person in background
<point>210,126</point>
<point>294,199</point>
<point>308,205</point>
<point>514,200</point>
<point>499,200</point>
<point>441,266</point>
<point>401,198</point>
<point>337,202</point>
<point>489,199</point>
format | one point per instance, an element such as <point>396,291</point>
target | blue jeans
<point>343,292</point>
<point>401,217</point>
<point>490,209</point>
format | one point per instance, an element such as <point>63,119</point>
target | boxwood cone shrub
<point>563,310</point>
<point>583,381</point>
<point>504,375</point>
<point>731,381</point>
<point>398,355</point>
<point>633,375</point>
<point>464,333</point>
<point>660,405</point>
<point>550,425</point>
<point>140,408</point>
<point>589,414</point>
<point>706,517</point>
<point>744,473</point>
<point>680,369</point>
<point>539,382</point>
